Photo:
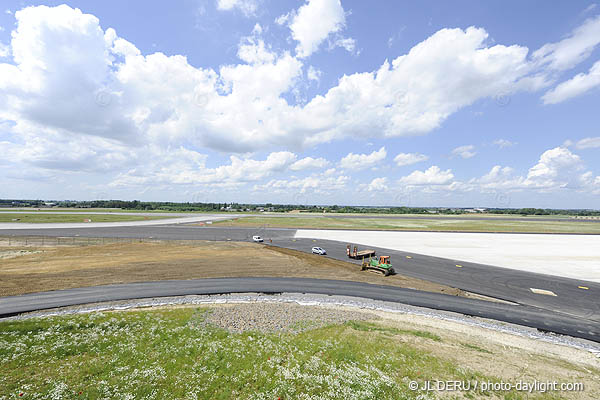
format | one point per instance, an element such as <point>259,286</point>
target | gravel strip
<point>316,300</point>
<point>278,317</point>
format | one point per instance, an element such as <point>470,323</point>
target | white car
<point>257,239</point>
<point>319,250</point>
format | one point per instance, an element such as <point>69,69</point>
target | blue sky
<point>461,103</point>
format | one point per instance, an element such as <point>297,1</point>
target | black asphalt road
<point>502,283</point>
<point>580,306</point>
<point>522,315</point>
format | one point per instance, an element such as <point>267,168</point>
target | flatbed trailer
<point>359,255</point>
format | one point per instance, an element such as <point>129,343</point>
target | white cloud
<point>377,185</point>
<point>321,183</point>
<point>497,172</point>
<point>188,168</point>
<point>499,178</point>
<point>309,163</point>
<point>418,91</point>
<point>314,22</point>
<point>362,161</point>
<point>572,50</point>
<point>239,107</point>
<point>252,49</point>
<point>247,7</point>
<point>432,176</point>
<point>574,87</point>
<point>588,143</point>
<point>77,92</point>
<point>466,151</point>
<point>283,19</point>
<point>503,143</point>
<point>556,168</point>
<point>348,44</point>
<point>403,159</point>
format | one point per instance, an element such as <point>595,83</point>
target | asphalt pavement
<point>517,314</point>
<point>569,304</point>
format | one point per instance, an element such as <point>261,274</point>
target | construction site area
<point>39,264</point>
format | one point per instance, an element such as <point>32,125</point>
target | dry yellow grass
<point>48,268</point>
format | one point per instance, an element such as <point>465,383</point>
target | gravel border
<point>324,301</point>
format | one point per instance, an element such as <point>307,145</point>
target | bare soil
<point>504,355</point>
<point>54,268</point>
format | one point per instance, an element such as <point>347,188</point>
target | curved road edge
<point>517,314</point>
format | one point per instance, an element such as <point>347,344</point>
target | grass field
<point>172,354</point>
<point>54,218</point>
<point>110,210</point>
<point>433,224</point>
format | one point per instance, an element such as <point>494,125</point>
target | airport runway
<point>569,302</point>
<point>522,315</point>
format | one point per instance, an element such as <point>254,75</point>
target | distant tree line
<point>237,207</point>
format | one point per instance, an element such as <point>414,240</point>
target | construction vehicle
<point>359,255</point>
<point>381,264</point>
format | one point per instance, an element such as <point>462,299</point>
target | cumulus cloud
<point>498,178</point>
<point>321,183</point>
<point>574,87</point>
<point>309,163</point>
<point>432,176</point>
<point>467,151</point>
<point>71,75</point>
<point>252,49</point>
<point>247,7</point>
<point>363,161</point>
<point>556,168</point>
<point>314,22</point>
<point>377,185</point>
<point>404,159</point>
<point>188,167</point>
<point>76,92</point>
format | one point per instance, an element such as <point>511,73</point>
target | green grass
<point>371,327</point>
<point>433,224</point>
<point>172,354</point>
<point>51,218</point>
<point>113,210</point>
<point>476,348</point>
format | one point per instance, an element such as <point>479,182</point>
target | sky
<point>388,103</point>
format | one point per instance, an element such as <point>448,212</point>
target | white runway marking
<point>543,291</point>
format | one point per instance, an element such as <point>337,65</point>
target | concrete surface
<point>568,256</point>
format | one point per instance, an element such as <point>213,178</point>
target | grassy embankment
<point>171,353</point>
<point>433,224</point>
